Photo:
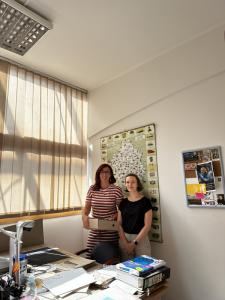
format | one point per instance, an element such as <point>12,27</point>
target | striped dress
<point>104,203</point>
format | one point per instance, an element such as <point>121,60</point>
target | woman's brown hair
<point>97,184</point>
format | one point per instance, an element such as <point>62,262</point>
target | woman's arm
<point>119,198</point>
<point>202,178</point>
<point>120,228</point>
<point>147,226</point>
<point>85,213</point>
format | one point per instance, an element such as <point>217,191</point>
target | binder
<point>140,265</point>
<point>142,283</point>
<point>149,291</point>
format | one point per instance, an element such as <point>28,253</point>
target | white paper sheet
<point>124,286</point>
<point>68,281</point>
<point>112,293</point>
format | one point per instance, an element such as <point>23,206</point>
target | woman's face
<point>131,183</point>
<point>105,174</point>
<point>203,170</point>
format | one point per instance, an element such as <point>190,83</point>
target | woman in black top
<point>135,219</point>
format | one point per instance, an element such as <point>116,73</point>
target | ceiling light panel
<point>20,28</point>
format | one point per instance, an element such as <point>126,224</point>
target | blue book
<point>140,265</point>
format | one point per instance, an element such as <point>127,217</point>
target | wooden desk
<point>90,266</point>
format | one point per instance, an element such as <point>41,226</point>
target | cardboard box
<point>102,224</point>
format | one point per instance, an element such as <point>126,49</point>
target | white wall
<point>183,93</point>
<point>156,80</point>
<point>65,233</point>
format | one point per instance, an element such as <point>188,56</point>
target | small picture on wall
<point>220,199</point>
<point>205,175</point>
<point>204,178</point>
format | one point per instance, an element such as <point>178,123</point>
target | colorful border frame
<point>134,151</point>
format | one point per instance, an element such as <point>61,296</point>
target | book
<point>151,290</point>
<point>142,283</point>
<point>140,265</point>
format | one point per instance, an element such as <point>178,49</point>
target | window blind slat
<point>62,149</point>
<point>27,155</point>
<point>17,170</point>
<point>7,156</point>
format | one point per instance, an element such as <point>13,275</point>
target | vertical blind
<point>43,144</point>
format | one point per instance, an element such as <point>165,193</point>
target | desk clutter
<point>65,277</point>
<point>33,265</point>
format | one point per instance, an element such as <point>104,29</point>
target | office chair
<point>106,253</point>
<point>103,253</point>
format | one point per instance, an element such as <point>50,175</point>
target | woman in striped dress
<point>102,199</point>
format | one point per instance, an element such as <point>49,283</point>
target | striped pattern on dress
<point>104,205</point>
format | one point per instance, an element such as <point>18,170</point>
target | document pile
<point>104,276</point>
<point>145,273</point>
<point>66,282</point>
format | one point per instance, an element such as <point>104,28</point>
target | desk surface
<point>75,261</point>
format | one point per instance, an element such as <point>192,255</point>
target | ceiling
<point>95,41</point>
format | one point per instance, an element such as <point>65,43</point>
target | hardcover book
<point>156,276</point>
<point>140,265</point>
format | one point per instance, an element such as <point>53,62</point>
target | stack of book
<point>145,273</point>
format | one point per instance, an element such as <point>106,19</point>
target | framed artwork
<point>134,151</point>
<point>204,177</point>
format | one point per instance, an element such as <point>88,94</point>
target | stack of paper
<point>67,281</point>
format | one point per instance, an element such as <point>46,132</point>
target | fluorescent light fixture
<point>20,28</point>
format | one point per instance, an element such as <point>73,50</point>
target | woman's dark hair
<point>97,184</point>
<point>139,184</point>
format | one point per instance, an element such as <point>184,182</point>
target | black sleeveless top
<point>133,214</point>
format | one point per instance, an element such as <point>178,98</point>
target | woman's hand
<point>130,248</point>
<point>86,224</point>
<point>114,217</point>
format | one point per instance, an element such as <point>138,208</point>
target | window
<point>43,144</point>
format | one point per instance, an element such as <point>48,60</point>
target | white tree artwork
<point>127,160</point>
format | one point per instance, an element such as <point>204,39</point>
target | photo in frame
<point>204,177</point>
<point>134,151</point>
